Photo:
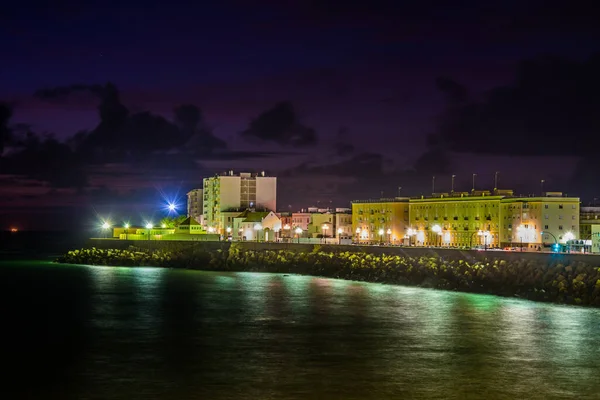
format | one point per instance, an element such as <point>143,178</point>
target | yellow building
<point>537,222</point>
<point>321,224</point>
<point>380,220</point>
<point>456,220</point>
<point>589,226</point>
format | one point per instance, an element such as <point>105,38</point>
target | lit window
<point>545,226</point>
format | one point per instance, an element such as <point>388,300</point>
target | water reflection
<point>155,333</point>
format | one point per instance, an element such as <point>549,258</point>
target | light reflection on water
<point>155,333</point>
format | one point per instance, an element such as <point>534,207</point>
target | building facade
<point>301,220</point>
<point>455,220</point>
<point>343,223</point>
<point>538,222</point>
<point>380,220</point>
<point>194,205</point>
<point>493,219</point>
<point>236,192</point>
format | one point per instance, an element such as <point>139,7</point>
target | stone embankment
<point>567,280</point>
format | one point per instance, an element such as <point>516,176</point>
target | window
<point>560,206</point>
<point>546,206</point>
<point>560,217</point>
<point>545,216</point>
<point>573,206</point>
<point>545,226</point>
<point>560,227</point>
<point>572,217</point>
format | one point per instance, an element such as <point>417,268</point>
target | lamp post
<point>149,226</point>
<point>126,226</point>
<point>438,232</point>
<point>484,235</point>
<point>381,231</point>
<point>228,230</point>
<point>240,231</point>
<point>389,233</point>
<point>410,232</point>
<point>339,232</point>
<point>105,228</point>
<point>324,229</point>
<point>568,237</point>
<point>358,235</point>
<point>257,228</point>
<point>287,228</point>
<point>298,231</point>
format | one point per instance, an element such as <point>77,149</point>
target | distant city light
<point>149,225</point>
<point>172,207</point>
<point>105,225</point>
<point>126,226</point>
<point>14,229</point>
<point>163,226</point>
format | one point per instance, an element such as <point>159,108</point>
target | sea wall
<point>569,279</point>
<point>447,254</point>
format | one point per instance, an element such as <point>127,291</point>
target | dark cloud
<point>550,109</point>
<point>454,91</point>
<point>121,132</point>
<point>280,125</point>
<point>434,161</point>
<point>46,160</point>
<point>147,141</point>
<point>5,133</point>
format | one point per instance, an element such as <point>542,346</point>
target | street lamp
<point>381,231</point>
<point>484,235</point>
<point>410,232</point>
<point>287,228</point>
<point>149,226</point>
<point>324,228</point>
<point>389,233</point>
<point>357,235</point>
<point>298,231</point>
<point>257,228</point>
<point>126,226</point>
<point>105,228</point>
<point>438,231</point>
<point>339,232</point>
<point>240,231</point>
<point>567,238</point>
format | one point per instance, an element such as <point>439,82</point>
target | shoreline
<point>573,283</point>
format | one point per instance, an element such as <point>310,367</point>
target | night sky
<point>109,109</point>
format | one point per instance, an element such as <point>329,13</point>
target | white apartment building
<point>229,192</point>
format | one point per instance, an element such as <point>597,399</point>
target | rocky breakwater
<point>569,283</point>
